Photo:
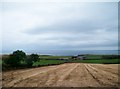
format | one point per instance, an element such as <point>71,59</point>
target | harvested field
<point>64,75</point>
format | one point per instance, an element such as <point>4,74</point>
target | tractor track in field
<point>94,77</point>
<point>51,77</point>
<point>18,77</point>
<point>101,67</point>
<point>64,75</point>
<point>103,77</point>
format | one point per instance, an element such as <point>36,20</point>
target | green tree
<point>15,59</point>
<point>32,58</point>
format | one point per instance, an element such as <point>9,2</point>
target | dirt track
<point>64,75</point>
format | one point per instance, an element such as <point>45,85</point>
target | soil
<point>64,75</point>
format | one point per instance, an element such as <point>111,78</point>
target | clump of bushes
<point>14,59</point>
<point>31,59</point>
<point>19,59</point>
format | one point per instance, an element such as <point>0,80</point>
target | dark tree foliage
<point>15,59</point>
<point>111,56</point>
<point>32,58</point>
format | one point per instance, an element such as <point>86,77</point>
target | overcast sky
<point>59,26</point>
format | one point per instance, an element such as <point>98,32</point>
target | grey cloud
<point>97,29</point>
<point>70,27</point>
<point>68,46</point>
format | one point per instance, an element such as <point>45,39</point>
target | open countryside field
<point>64,75</point>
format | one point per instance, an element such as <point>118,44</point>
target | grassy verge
<point>52,57</point>
<point>47,62</point>
<point>55,62</point>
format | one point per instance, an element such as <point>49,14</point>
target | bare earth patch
<point>64,75</point>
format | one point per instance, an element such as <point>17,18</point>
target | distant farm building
<point>81,57</point>
<point>63,58</point>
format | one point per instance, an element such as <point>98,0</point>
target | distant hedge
<point>111,57</point>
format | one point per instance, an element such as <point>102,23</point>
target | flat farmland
<point>64,75</point>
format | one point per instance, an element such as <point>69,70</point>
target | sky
<point>36,26</point>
